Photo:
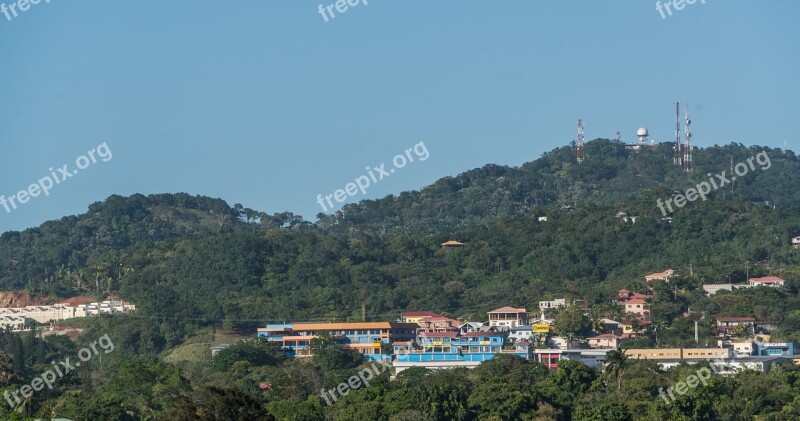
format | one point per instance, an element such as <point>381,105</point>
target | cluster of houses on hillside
<point>430,340</point>
<point>766,281</point>
<point>18,318</point>
<point>434,341</point>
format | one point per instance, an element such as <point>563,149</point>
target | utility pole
<point>747,271</point>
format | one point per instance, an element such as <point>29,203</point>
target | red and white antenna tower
<point>580,153</point>
<point>687,149</point>
<point>677,158</point>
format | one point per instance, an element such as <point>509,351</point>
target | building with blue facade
<point>766,349</point>
<point>367,338</point>
<point>437,350</point>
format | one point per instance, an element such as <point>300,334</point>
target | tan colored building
<point>636,306</point>
<point>659,276</point>
<point>416,316</point>
<point>452,244</point>
<point>679,353</point>
<point>508,317</point>
<point>607,340</point>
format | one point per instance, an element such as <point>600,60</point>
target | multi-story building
<point>776,348</point>
<point>12,323</point>
<point>729,325</point>
<point>366,337</point>
<point>416,316</point>
<point>440,350</point>
<point>550,357</point>
<point>508,317</point>
<point>55,312</point>
<point>659,276</point>
<point>636,307</point>
<point>520,333</point>
<point>740,349</point>
<point>557,303</point>
<point>470,327</point>
<point>607,340</point>
<point>679,353</point>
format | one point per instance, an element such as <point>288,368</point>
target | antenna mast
<point>677,159</point>
<point>687,151</point>
<point>580,154</point>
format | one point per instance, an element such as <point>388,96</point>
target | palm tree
<point>597,325</point>
<point>616,362</point>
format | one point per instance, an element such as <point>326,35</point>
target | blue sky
<point>264,103</point>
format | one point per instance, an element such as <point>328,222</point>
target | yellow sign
<point>541,328</point>
<point>376,344</point>
<point>485,342</point>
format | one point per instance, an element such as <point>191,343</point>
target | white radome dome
<point>641,132</point>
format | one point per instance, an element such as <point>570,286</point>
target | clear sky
<point>264,103</point>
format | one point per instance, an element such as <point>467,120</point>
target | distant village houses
<point>10,317</point>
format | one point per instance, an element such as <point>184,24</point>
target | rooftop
<point>509,310</point>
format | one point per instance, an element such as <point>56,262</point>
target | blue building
<point>437,350</point>
<point>766,349</point>
<point>367,338</point>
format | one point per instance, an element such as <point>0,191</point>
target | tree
<point>616,362</point>
<point>332,356</point>
<point>571,321</point>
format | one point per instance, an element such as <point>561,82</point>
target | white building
<point>557,303</point>
<point>766,281</point>
<point>55,312</point>
<point>520,333</point>
<point>12,323</point>
<point>508,317</point>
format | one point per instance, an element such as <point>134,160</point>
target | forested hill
<point>609,172</point>
<point>193,261</point>
<point>92,243</point>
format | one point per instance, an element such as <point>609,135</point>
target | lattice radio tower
<point>688,164</point>
<point>580,153</point>
<point>677,158</point>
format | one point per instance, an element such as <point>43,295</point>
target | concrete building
<point>367,338</point>
<point>607,341</point>
<point>740,349</point>
<point>442,350</point>
<point>416,316</point>
<point>508,317</point>
<point>659,276</point>
<point>636,306</point>
<point>766,281</point>
<point>679,353</point>
<point>470,327</point>
<point>730,366</point>
<point>767,349</point>
<point>557,303</point>
<point>550,357</point>
<point>712,289</point>
<point>520,333</point>
<point>50,313</point>
<point>12,323</point>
